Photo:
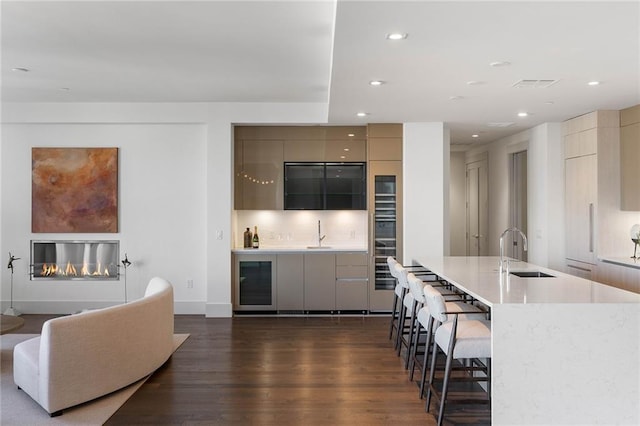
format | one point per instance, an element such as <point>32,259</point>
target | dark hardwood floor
<point>277,371</point>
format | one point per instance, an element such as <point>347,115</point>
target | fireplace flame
<point>70,270</point>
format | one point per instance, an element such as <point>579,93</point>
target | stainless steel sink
<point>318,247</point>
<point>531,274</point>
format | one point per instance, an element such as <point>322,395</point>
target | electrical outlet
<point>218,235</point>
<point>189,283</point>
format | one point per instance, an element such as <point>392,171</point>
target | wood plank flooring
<point>277,371</point>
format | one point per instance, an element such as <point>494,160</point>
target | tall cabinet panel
<point>385,210</point>
<point>581,184</point>
<point>591,142</point>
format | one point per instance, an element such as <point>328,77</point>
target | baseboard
<point>70,307</point>
<point>219,310</point>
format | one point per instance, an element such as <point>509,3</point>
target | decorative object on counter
<point>125,264</point>
<point>256,239</point>
<point>248,238</point>
<point>11,311</point>
<point>635,237</point>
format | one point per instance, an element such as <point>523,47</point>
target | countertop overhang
<point>479,277</point>
<point>301,249</point>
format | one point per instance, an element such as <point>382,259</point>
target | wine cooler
<point>384,230</point>
<point>385,227</point>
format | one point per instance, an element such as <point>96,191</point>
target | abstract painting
<point>74,190</point>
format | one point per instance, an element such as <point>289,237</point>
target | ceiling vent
<point>504,124</point>
<point>534,84</point>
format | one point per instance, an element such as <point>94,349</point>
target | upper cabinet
<point>385,142</point>
<point>630,158</point>
<point>320,144</point>
<point>261,151</point>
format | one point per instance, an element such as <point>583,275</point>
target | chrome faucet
<point>524,239</point>
<point>320,238</point>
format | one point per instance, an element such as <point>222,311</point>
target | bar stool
<point>454,302</point>
<point>460,340</point>
<point>412,301</point>
<point>425,322</point>
<point>400,291</point>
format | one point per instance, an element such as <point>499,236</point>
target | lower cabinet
<point>290,279</point>
<point>319,282</point>
<point>328,282</point>
<point>352,282</point>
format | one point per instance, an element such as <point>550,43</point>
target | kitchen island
<point>565,350</point>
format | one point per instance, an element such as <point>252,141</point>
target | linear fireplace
<point>75,260</point>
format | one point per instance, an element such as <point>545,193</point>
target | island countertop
<point>564,349</point>
<point>479,277</point>
<point>299,249</point>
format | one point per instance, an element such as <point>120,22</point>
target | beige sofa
<point>80,357</point>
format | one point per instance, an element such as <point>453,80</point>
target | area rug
<point>17,408</point>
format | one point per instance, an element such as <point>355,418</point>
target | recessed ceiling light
<point>593,83</point>
<point>376,82</point>
<point>475,83</point>
<point>351,135</point>
<point>523,114</point>
<point>342,157</point>
<point>362,114</point>
<point>346,149</point>
<point>549,103</point>
<point>456,98</point>
<point>20,69</point>
<point>397,36</point>
<point>475,136</point>
<point>500,64</point>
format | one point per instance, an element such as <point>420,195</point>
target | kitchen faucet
<point>524,239</point>
<point>320,238</point>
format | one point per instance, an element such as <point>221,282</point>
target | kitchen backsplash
<point>279,228</point>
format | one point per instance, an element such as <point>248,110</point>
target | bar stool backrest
<point>401,275</point>
<point>391,262</point>
<point>435,304</point>
<point>416,287</point>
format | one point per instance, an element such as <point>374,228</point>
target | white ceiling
<point>327,52</point>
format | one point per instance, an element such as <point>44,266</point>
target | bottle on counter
<point>256,239</point>
<point>248,239</point>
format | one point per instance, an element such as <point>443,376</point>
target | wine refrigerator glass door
<point>385,232</point>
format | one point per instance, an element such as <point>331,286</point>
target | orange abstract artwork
<point>74,190</point>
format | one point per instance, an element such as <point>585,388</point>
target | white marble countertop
<point>298,249</point>
<point>479,277</point>
<point>621,261</point>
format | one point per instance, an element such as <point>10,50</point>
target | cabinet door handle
<point>591,221</point>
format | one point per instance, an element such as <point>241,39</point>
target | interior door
<point>477,205</point>
<point>518,196</point>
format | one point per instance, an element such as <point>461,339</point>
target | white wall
<point>425,150</point>
<point>175,188</point>
<point>162,197</point>
<point>545,188</point>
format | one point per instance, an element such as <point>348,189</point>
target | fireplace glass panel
<point>74,260</point>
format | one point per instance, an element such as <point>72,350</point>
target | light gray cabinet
<point>290,282</point>
<point>319,281</point>
<point>352,282</point>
